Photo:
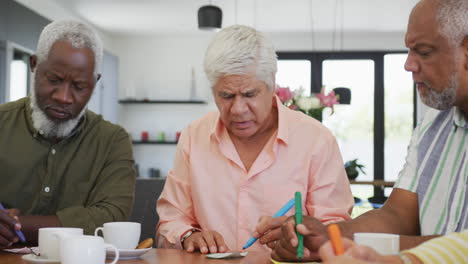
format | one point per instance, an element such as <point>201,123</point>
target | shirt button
<point>47,189</point>
<point>53,151</point>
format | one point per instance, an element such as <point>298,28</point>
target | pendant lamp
<point>210,17</point>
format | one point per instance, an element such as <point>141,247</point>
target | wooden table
<point>165,256</point>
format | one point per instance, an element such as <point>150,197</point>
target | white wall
<point>351,41</point>
<point>159,67</point>
<point>53,11</point>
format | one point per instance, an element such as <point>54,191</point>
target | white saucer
<point>127,253</point>
<point>33,259</point>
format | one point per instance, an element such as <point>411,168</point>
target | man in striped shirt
<point>430,197</point>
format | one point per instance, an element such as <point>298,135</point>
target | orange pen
<point>335,237</point>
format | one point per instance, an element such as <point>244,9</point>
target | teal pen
<point>298,216</point>
<point>281,212</point>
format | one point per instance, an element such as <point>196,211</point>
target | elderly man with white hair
<point>61,164</point>
<point>248,158</point>
<point>430,197</point>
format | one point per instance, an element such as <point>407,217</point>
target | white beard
<point>442,100</point>
<point>47,127</point>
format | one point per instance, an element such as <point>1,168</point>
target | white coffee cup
<point>386,244</point>
<point>123,235</point>
<point>49,241</point>
<point>85,249</point>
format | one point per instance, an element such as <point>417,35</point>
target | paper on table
<point>227,255</point>
<point>24,250</point>
<point>277,262</point>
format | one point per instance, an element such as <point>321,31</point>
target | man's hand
<point>315,234</point>
<point>205,242</point>
<point>268,230</point>
<point>356,254</point>
<point>13,212</point>
<point>352,250</point>
<point>8,224</point>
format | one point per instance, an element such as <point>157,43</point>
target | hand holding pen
<point>314,235</point>
<point>268,229</point>
<point>9,229</point>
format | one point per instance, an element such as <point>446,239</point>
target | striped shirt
<point>452,248</point>
<point>437,170</point>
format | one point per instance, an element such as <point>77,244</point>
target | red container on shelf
<point>144,136</point>
<point>177,136</point>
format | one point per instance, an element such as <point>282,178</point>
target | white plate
<point>33,259</point>
<point>127,253</point>
<point>227,255</point>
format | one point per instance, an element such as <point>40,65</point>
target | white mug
<point>123,235</point>
<point>386,244</point>
<point>49,241</point>
<point>85,249</point>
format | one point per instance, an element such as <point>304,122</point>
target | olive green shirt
<point>86,179</point>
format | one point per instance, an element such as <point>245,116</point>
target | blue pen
<point>281,212</point>
<point>18,232</point>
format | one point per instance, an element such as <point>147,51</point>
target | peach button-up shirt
<point>210,189</point>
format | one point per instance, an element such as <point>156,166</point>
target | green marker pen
<point>298,216</point>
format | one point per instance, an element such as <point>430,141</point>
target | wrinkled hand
<point>315,235</point>
<point>205,242</point>
<point>354,254</point>
<point>8,223</point>
<point>268,230</point>
<point>346,260</point>
<point>13,212</point>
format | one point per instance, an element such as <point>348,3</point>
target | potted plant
<point>352,169</point>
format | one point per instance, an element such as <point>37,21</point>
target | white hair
<point>241,50</point>
<point>79,35</point>
<point>453,20</point>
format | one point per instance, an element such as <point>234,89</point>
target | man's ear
<point>32,62</point>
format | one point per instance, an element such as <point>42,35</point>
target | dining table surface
<point>163,256</point>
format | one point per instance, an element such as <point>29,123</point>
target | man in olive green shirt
<point>61,164</point>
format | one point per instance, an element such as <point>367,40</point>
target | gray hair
<point>241,50</point>
<point>78,34</point>
<point>453,20</point>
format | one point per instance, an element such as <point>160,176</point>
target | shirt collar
<point>282,121</point>
<point>459,118</point>
<point>218,127</point>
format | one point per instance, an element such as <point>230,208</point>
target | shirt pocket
<point>276,196</point>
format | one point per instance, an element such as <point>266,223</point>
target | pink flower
<point>284,94</point>
<point>293,107</point>
<point>328,100</point>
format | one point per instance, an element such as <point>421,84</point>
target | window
<point>353,124</point>
<point>371,129</point>
<point>18,74</point>
<point>399,112</point>
<point>294,74</point>
<point>18,80</point>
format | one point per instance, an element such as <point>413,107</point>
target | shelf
<point>149,142</point>
<point>375,183</point>
<point>161,102</point>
